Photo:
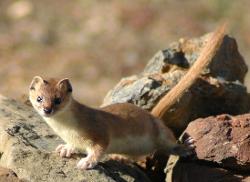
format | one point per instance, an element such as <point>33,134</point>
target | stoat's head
<point>50,96</point>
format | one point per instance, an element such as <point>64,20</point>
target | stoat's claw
<point>65,150</point>
<point>189,141</point>
<point>85,164</point>
<point>185,149</point>
<point>59,147</point>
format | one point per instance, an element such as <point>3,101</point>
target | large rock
<point>219,90</point>
<point>224,140</point>
<point>227,63</point>
<point>27,145</point>
<point>222,147</point>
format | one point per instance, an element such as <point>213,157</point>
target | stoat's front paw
<point>65,150</point>
<point>86,163</point>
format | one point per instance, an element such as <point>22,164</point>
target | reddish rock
<point>224,140</point>
<point>222,148</point>
<point>184,171</point>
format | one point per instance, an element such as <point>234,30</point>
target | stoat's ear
<point>65,85</point>
<point>36,80</point>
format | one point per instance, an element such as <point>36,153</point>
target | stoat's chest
<point>67,127</point>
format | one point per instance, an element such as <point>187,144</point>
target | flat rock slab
<point>27,145</point>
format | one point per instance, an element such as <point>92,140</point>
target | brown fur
<point>119,128</point>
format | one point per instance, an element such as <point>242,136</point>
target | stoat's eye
<point>57,101</point>
<point>39,99</point>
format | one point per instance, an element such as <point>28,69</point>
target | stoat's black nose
<point>47,110</point>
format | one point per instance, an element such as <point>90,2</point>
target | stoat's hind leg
<point>182,150</point>
<point>120,158</point>
<point>65,150</point>
<point>167,144</point>
<point>125,158</point>
<point>187,148</point>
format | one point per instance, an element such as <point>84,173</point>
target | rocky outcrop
<point>219,90</point>
<point>222,151</point>
<point>27,145</point>
<point>222,143</point>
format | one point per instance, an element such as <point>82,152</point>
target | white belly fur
<point>134,146</point>
<point>68,134</point>
<point>65,125</point>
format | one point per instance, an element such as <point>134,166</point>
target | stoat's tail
<point>190,77</point>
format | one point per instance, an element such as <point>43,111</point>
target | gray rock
<point>219,90</point>
<point>227,63</point>
<point>27,145</point>
<point>163,59</point>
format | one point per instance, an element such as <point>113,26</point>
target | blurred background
<point>96,43</point>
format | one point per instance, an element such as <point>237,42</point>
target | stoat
<point>123,129</point>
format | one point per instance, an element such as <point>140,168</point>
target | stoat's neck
<point>72,116</point>
<point>66,110</point>
<point>67,123</point>
<point>66,116</point>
